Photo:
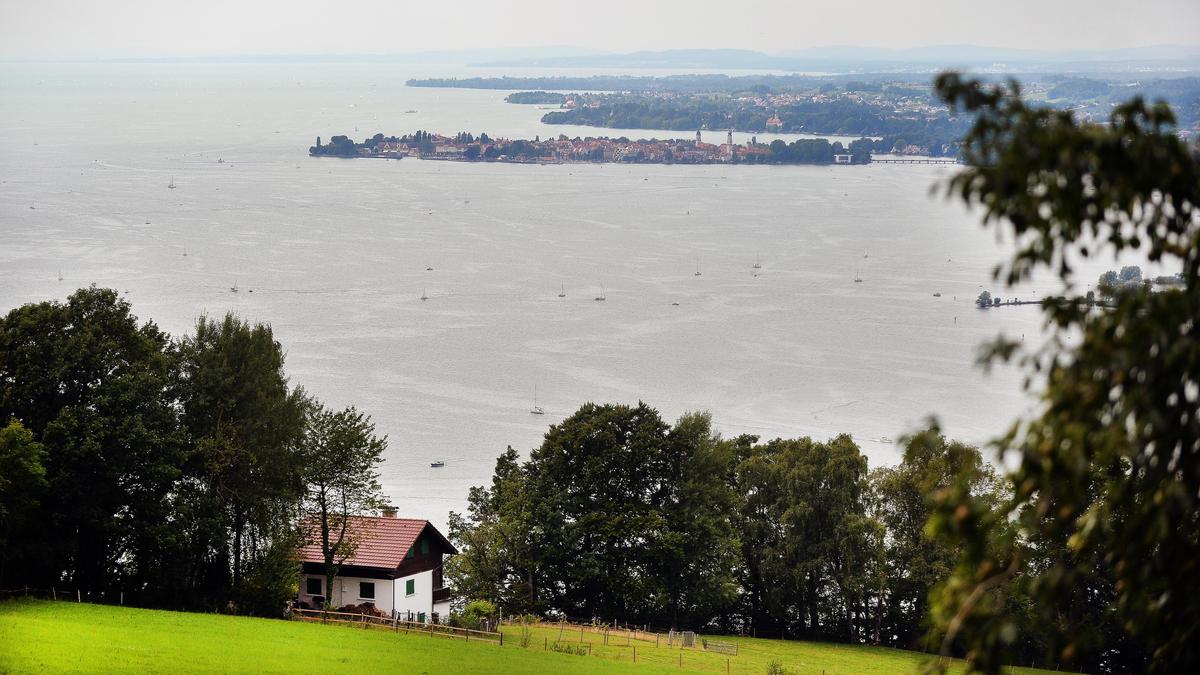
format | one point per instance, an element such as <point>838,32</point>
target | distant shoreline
<point>465,147</point>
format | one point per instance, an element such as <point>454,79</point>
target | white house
<point>397,567</point>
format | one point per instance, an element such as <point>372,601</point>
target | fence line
<point>395,625</point>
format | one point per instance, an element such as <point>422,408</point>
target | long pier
<point>915,160</point>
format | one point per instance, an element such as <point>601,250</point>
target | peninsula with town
<point>466,147</point>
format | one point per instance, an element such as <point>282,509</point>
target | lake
<point>334,255</point>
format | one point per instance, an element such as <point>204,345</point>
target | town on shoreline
<point>562,150</point>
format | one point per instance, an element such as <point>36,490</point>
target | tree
<point>340,454</point>
<point>984,300</point>
<point>499,559</point>
<point>247,425</point>
<point>22,483</point>
<point>699,549</point>
<point>902,502</point>
<point>91,385</point>
<point>810,550</point>
<point>597,485</point>
<point>1107,474</point>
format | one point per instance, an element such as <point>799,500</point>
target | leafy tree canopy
<point>1108,472</point>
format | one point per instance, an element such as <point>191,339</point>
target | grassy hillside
<point>41,636</point>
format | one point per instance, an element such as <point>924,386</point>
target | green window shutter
<point>410,587</point>
<point>409,554</point>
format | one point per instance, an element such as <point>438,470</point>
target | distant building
<point>842,159</point>
<point>448,151</point>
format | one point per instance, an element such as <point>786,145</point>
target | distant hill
<point>850,58</point>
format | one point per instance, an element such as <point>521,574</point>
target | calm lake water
<point>336,251</point>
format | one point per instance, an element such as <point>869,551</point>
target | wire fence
<point>106,597</point>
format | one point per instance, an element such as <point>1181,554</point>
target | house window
<point>313,586</point>
<point>424,547</point>
<point>366,590</point>
<point>409,554</point>
<point>410,587</point>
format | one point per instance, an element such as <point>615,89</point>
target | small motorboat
<point>437,464</point>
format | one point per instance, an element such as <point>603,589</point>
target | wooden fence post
<point>122,598</point>
<point>78,597</point>
<point>681,658</point>
<point>635,653</point>
<point>545,643</point>
<point>54,593</point>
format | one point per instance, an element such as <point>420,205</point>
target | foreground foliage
<point>1107,486</point>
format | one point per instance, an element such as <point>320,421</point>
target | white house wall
<point>346,592</point>
<point>422,598</point>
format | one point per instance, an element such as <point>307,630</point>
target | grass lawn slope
<point>42,636</point>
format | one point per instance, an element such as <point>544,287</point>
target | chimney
<point>388,511</point>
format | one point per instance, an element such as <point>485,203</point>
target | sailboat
<point>697,267</point>
<point>172,183</point>
<point>60,275</point>
<point>601,297</point>
<point>233,288</point>
<point>562,292</point>
<point>423,295</point>
<point>758,262</point>
<point>536,409</point>
<point>857,278</point>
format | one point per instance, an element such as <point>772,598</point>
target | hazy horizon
<point>64,30</point>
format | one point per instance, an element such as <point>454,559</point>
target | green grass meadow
<point>38,636</point>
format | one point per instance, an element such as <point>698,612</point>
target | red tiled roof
<point>383,541</point>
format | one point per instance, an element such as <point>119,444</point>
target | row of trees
<point>620,515</point>
<point>176,471</point>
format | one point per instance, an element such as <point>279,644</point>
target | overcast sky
<point>148,28</point>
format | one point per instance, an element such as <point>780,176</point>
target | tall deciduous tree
<point>699,549</point>
<point>813,554</point>
<point>902,500</point>
<point>498,559</point>
<point>1108,472</point>
<point>341,455</point>
<point>597,482</point>
<point>247,425</point>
